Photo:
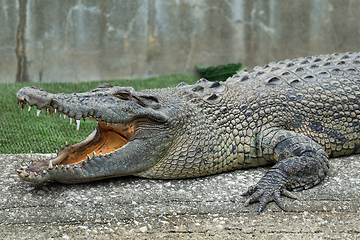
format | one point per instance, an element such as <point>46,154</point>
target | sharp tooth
<point>50,165</point>
<point>29,108</point>
<point>88,156</point>
<point>44,171</point>
<point>77,124</point>
<point>94,154</point>
<point>55,110</point>
<point>70,120</point>
<point>19,171</point>
<point>38,112</point>
<point>66,143</point>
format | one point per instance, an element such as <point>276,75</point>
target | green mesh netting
<point>23,132</point>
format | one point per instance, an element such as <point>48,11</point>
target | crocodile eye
<point>37,88</point>
<point>123,94</point>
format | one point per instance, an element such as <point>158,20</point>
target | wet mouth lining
<point>105,139</point>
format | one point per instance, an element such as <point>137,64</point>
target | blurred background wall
<point>83,40</point>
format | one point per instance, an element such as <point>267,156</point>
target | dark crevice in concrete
<point>21,75</point>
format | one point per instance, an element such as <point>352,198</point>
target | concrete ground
<point>202,208</point>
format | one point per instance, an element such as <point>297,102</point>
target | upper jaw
<point>103,104</point>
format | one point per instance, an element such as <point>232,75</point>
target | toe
<point>278,201</point>
<point>288,194</point>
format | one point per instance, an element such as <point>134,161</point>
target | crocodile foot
<point>268,189</point>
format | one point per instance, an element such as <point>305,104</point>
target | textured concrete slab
<point>202,208</point>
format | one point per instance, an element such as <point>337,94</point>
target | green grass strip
<point>23,132</point>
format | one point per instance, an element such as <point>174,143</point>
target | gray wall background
<point>82,40</point>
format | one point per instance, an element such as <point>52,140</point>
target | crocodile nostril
<point>105,85</point>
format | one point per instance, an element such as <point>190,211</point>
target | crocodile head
<point>133,132</point>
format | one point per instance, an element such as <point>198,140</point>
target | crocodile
<point>292,115</point>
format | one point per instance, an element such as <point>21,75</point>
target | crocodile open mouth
<point>105,139</point>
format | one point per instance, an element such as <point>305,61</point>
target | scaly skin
<point>293,114</point>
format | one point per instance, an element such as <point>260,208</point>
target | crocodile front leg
<point>301,164</point>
